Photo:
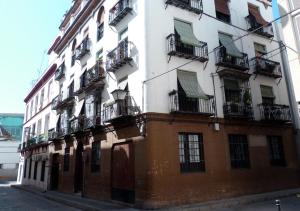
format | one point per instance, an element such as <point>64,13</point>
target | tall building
<point>291,37</point>
<point>169,102</point>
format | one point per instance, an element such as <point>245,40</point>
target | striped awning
<point>228,43</point>
<point>189,83</point>
<point>186,33</point>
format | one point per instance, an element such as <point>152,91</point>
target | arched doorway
<point>78,177</point>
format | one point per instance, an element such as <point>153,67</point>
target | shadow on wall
<point>7,175</point>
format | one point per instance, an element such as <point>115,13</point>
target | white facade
<point>148,24</point>
<point>9,158</point>
<point>291,36</point>
<point>39,119</point>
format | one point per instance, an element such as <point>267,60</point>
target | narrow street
<point>14,199</point>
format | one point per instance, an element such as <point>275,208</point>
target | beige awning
<point>189,83</point>
<point>78,108</point>
<point>228,43</point>
<point>254,11</point>
<point>123,84</point>
<point>222,6</point>
<point>186,33</point>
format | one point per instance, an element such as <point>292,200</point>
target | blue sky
<point>28,28</point>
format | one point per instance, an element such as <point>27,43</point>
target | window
<point>49,94</point>
<point>46,126</point>
<point>260,50</point>
<point>222,10</point>
<point>1,166</point>
<point>96,154</point>
<point>191,152</point>
<point>39,127</point>
<point>31,108</point>
<point>73,59</point>
<point>35,169</point>
<point>67,159</point>
<point>232,91</point>
<point>27,110</point>
<point>43,171</point>
<point>30,163</point>
<point>42,98</point>
<point>123,34</point>
<point>99,55</point>
<point>276,151</point>
<point>239,152</point>
<point>100,22</point>
<point>25,168</point>
<point>267,94</point>
<point>33,130</point>
<point>36,104</point>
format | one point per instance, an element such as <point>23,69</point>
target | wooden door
<point>123,177</point>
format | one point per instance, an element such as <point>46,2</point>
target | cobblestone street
<point>13,199</point>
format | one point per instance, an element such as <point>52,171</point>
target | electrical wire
<point>220,46</point>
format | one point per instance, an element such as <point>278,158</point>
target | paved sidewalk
<point>73,200</point>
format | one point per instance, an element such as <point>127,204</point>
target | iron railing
<point>120,108</point>
<point>63,131</point>
<point>60,72</point>
<point>119,56</point>
<point>52,134</point>
<point>83,48</point>
<point>58,102</point>
<point>76,125</point>
<point>195,6</point>
<point>119,11</point>
<point>239,110</point>
<point>266,67</point>
<point>181,103</point>
<point>178,48</point>
<point>225,60</point>
<point>274,112</point>
<point>92,121</point>
<point>252,25</point>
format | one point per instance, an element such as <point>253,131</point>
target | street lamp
<point>119,94</point>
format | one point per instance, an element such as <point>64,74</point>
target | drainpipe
<point>290,88</point>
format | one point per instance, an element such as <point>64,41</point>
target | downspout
<point>291,94</point>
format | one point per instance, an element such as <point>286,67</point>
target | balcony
<point>60,72</point>
<point>58,102</point>
<point>92,121</point>
<point>120,56</point>
<point>92,79</point>
<point>275,112</point>
<point>252,24</point>
<point>77,125</point>
<point>182,104</point>
<point>120,109</point>
<point>237,110</point>
<point>82,49</point>
<point>190,5</point>
<point>225,60</point>
<point>52,134</point>
<point>119,11</point>
<point>177,48</point>
<point>63,131</point>
<point>266,67</point>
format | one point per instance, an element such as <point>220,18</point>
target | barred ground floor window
<point>239,151</point>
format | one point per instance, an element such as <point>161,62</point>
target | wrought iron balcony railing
<point>266,67</point>
<point>252,24</point>
<point>60,72</point>
<point>181,104</point>
<point>195,6</point>
<point>77,124</point>
<point>92,121</point>
<point>176,48</point>
<point>274,112</point>
<point>63,131</point>
<point>237,110</point>
<point>83,48</point>
<point>119,11</point>
<point>119,56</point>
<point>58,102</point>
<point>225,60</point>
<point>52,134</point>
<point>120,108</point>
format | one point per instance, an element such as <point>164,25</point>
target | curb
<point>69,203</point>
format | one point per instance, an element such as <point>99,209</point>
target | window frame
<point>281,161</point>
<point>186,166</point>
<point>66,167</point>
<point>236,161</point>
<point>96,157</point>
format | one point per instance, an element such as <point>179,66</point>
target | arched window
<point>73,53</point>
<point>100,23</point>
